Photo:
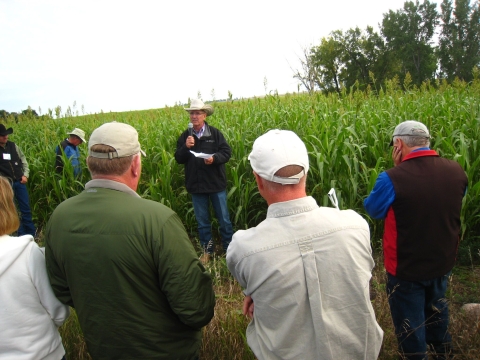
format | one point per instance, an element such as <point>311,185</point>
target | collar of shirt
<point>422,148</point>
<point>291,207</point>
<point>69,143</point>
<point>200,132</point>
<point>110,184</point>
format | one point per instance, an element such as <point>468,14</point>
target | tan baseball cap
<point>122,137</point>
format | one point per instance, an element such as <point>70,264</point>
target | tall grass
<point>347,138</point>
<point>224,337</point>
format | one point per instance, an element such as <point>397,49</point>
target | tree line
<point>404,49</point>
<point>30,113</point>
<point>4,114</point>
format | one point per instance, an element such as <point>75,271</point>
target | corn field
<point>347,138</point>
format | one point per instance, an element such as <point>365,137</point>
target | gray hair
<point>412,140</point>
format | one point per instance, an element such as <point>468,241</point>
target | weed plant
<point>224,337</point>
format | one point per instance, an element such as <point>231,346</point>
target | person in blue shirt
<point>69,146</point>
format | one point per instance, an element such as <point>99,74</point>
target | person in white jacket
<point>30,314</point>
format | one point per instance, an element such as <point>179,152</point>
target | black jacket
<point>199,177</point>
<point>13,167</point>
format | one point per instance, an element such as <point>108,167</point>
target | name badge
<point>7,157</point>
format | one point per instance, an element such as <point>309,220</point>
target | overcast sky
<point>116,55</point>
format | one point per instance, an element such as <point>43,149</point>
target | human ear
<point>398,144</point>
<point>136,166</point>
<point>258,179</point>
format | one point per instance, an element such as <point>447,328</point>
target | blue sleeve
<point>381,197</point>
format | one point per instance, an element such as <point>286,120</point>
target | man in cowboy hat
<point>69,147</point>
<point>14,166</point>
<point>205,177</point>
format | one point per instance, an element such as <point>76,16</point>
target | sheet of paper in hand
<point>201,155</point>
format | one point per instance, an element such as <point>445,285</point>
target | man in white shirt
<point>305,269</point>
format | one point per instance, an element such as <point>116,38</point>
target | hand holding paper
<point>201,155</point>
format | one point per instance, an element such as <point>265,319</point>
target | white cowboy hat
<point>197,104</point>
<point>78,132</point>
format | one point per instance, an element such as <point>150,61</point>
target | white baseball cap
<point>276,149</point>
<point>122,137</point>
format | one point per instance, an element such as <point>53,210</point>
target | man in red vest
<point>420,199</point>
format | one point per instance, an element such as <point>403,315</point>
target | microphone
<point>190,129</point>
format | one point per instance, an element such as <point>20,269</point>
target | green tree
<point>408,34</point>
<point>327,59</point>
<point>459,40</point>
<point>364,52</point>
<point>344,60</point>
<point>30,112</point>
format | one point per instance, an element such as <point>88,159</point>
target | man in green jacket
<point>126,264</point>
